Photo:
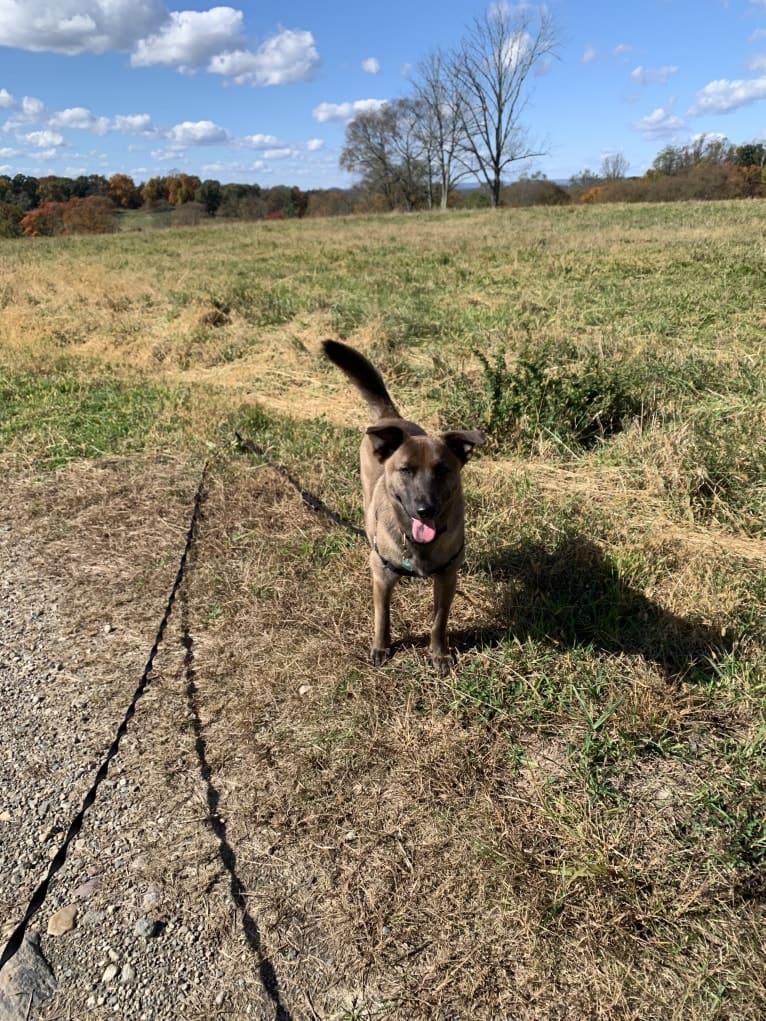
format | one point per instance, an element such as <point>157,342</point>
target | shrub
<point>532,192</point>
<point>45,221</point>
<point>10,220</point>
<point>549,391</point>
<point>94,215</point>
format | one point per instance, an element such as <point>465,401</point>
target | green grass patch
<point>55,418</point>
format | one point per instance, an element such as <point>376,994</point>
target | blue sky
<point>261,92</point>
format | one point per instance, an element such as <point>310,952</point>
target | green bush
<point>549,391</point>
<point>10,220</point>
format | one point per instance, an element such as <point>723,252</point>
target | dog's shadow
<point>573,596</point>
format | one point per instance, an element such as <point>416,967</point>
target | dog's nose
<point>425,510</point>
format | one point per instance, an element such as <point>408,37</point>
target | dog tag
<point>407,565</point>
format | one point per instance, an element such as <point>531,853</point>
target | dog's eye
<point>440,469</point>
<point>405,469</point>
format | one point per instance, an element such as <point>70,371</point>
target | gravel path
<point>148,917</point>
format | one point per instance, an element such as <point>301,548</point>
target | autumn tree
<point>491,69</point>
<point>122,190</point>
<point>154,190</point>
<point>91,215</point>
<point>45,220</point>
<point>182,188</point>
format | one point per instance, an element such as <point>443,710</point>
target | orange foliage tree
<point>122,190</point>
<point>94,215</point>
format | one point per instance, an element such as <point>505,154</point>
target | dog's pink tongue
<point>421,532</point>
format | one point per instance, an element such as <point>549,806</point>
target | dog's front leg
<point>383,582</point>
<point>444,592</point>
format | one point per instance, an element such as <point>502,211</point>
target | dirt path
<point>161,928</point>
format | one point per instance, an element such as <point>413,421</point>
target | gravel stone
<point>146,927</point>
<point>63,921</point>
<point>110,974</point>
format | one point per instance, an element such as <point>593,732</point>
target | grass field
<point>573,824</point>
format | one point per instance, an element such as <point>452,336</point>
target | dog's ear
<point>462,441</point>
<point>385,440</point>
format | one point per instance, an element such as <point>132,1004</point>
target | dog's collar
<point>408,570</point>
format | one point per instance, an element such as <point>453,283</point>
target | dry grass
<point>571,825</point>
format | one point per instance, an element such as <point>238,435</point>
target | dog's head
<point>422,474</point>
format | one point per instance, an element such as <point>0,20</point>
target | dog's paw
<point>379,656</point>
<point>442,663</point>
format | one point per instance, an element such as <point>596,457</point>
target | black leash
<point>311,501</point>
<point>38,897</point>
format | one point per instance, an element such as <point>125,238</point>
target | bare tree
<point>491,70</point>
<point>385,148</point>
<point>614,167</point>
<point>440,125</point>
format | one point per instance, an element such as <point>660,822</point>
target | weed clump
<point>548,392</point>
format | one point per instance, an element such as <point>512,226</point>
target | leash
<point>38,897</point>
<point>311,501</point>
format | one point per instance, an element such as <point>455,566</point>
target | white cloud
<point>164,155</point>
<point>80,118</point>
<point>279,154</point>
<point>6,99</point>
<point>259,141</point>
<point>344,112</point>
<point>78,26</point>
<point>314,144</point>
<point>32,108</point>
<point>723,95</point>
<point>621,50</point>
<point>44,139</point>
<point>660,123</point>
<point>133,124</point>
<point>197,133</point>
<point>757,64</point>
<point>190,39</point>
<point>185,40</point>
<point>288,56</point>
<point>589,55</point>
<point>29,111</point>
<point>371,65</point>
<point>7,153</point>
<point>653,75</point>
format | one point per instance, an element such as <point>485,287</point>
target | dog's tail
<point>365,377</point>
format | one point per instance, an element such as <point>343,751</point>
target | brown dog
<point>413,503</point>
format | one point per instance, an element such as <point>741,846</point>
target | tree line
<point>704,169</point>
<point>87,204</point>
